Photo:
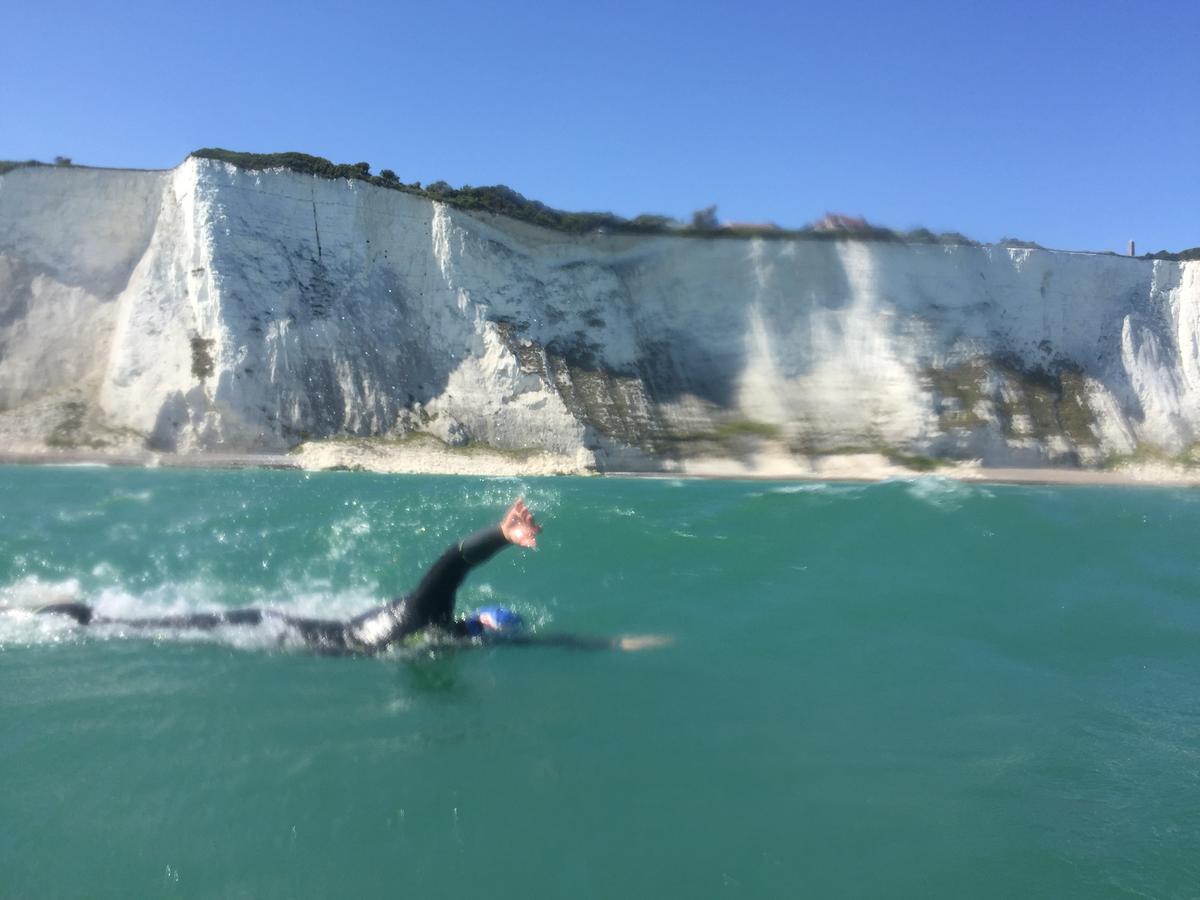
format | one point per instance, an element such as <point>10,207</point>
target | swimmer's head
<point>492,620</point>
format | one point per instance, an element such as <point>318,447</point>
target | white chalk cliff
<point>216,308</point>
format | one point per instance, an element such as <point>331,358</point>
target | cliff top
<point>502,200</point>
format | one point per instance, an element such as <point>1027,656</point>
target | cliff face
<point>217,308</point>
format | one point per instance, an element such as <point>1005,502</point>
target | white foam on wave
<point>273,633</point>
<point>318,599</point>
<point>71,516</point>
<point>942,493</point>
<point>935,490</point>
<point>32,592</point>
<point>143,496</point>
<point>819,487</point>
<point>22,628</point>
<point>19,623</point>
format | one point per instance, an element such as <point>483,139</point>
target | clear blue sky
<point>1072,124</point>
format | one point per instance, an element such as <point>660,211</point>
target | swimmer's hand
<point>518,526</point>
<point>634,642</point>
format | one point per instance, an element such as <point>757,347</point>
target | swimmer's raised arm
<point>432,602</point>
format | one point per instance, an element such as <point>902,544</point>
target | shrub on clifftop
<point>296,162</point>
<point>498,199</point>
<point>7,165</point>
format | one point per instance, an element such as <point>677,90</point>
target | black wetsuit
<point>431,604</point>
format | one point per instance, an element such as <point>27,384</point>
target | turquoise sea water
<point>913,689</point>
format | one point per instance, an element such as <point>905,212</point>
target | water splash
<point>944,494</point>
<point>820,487</point>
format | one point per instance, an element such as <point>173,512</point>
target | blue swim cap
<point>492,619</point>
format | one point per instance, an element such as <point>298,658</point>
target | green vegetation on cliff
<point>1181,256</point>
<point>498,199</point>
<point>504,201</point>
<point>7,165</point>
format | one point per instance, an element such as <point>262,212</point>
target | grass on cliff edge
<point>502,200</point>
<point>7,165</point>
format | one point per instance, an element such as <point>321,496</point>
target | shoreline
<point>864,468</point>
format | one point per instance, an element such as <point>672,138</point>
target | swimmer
<point>429,607</point>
